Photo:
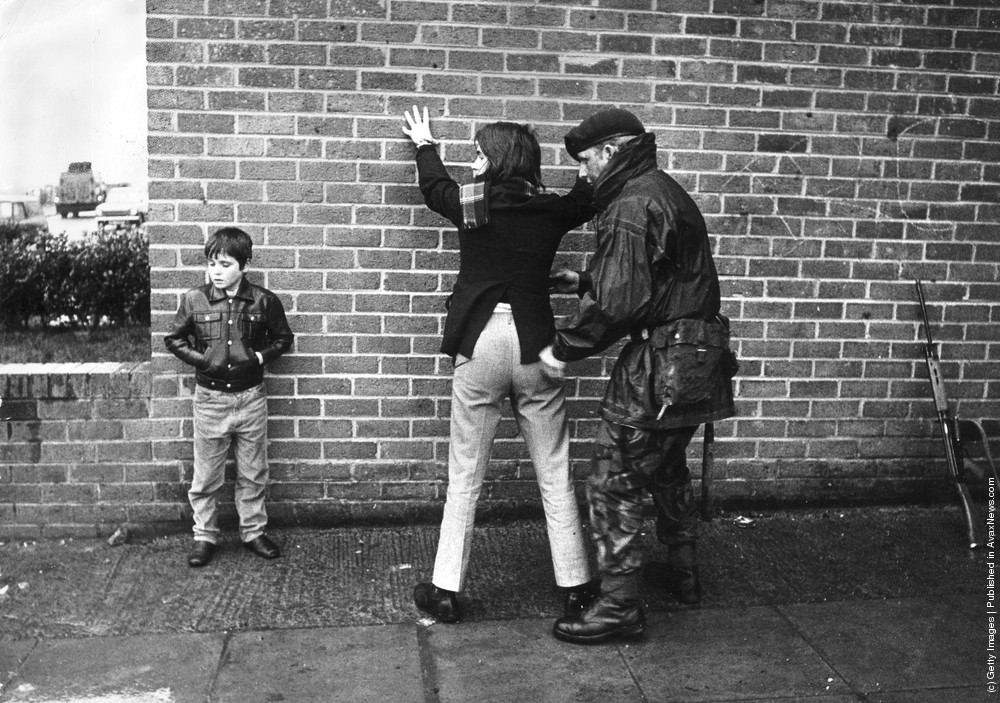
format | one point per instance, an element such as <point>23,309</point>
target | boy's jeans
<point>479,388</point>
<point>222,419</point>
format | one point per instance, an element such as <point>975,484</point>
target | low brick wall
<point>76,451</point>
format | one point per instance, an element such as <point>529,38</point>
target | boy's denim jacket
<point>218,335</point>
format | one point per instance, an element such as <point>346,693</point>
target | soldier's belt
<point>698,333</point>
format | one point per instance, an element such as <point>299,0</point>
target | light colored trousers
<point>478,390</point>
<point>222,419</point>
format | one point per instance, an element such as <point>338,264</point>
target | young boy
<point>228,330</point>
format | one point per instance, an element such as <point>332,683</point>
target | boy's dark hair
<point>513,152</point>
<point>231,241</point>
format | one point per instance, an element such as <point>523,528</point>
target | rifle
<point>949,433</point>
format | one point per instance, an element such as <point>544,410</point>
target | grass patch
<point>55,345</point>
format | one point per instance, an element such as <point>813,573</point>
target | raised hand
<point>418,128</point>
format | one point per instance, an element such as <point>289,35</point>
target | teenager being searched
<point>499,319</point>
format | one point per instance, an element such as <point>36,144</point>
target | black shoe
<point>201,553</point>
<point>683,584</point>
<point>263,547</point>
<point>578,598</point>
<point>605,618</point>
<point>441,604</point>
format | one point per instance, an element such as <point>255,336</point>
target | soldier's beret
<point>600,127</point>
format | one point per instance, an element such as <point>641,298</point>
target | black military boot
<point>678,575</point>
<point>684,562</point>
<point>617,612</point>
<point>578,598</point>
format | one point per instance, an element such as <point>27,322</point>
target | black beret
<point>600,127</point>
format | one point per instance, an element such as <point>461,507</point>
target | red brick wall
<point>838,149</point>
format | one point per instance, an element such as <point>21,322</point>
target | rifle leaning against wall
<point>966,446</point>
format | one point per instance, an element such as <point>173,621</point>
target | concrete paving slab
<point>174,668</point>
<point>520,661</point>
<point>737,654</point>
<point>325,665</point>
<point>861,562</point>
<point>971,694</point>
<point>971,606</point>
<point>11,656</point>
<point>895,645</point>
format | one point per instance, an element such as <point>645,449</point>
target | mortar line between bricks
<point>428,667</point>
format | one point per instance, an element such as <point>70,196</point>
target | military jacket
<point>652,279</point>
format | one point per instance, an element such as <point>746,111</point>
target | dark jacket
<point>652,277</point>
<point>508,259</point>
<point>219,336</point>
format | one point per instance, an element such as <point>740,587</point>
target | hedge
<point>46,279</point>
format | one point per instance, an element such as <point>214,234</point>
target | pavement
<point>877,603</point>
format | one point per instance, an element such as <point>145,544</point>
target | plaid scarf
<point>475,207</point>
<point>474,198</point>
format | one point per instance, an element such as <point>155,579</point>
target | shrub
<point>25,263</point>
<point>100,280</point>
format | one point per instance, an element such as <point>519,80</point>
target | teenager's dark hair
<point>513,152</point>
<point>231,241</point>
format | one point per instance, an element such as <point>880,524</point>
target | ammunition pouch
<point>690,357</point>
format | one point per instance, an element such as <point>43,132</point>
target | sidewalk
<point>827,606</point>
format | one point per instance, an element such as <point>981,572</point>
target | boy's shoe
<point>201,553</point>
<point>263,547</point>
<point>578,598</point>
<point>438,602</point>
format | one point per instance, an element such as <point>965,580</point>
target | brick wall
<point>76,454</point>
<point>838,149</point>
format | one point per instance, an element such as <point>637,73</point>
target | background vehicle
<point>79,190</point>
<point>123,207</point>
<point>24,213</point>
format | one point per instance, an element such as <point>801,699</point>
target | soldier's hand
<point>564,280</point>
<point>551,366</point>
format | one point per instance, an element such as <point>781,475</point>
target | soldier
<point>651,278</point>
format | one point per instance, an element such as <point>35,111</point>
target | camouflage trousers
<point>629,466</point>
